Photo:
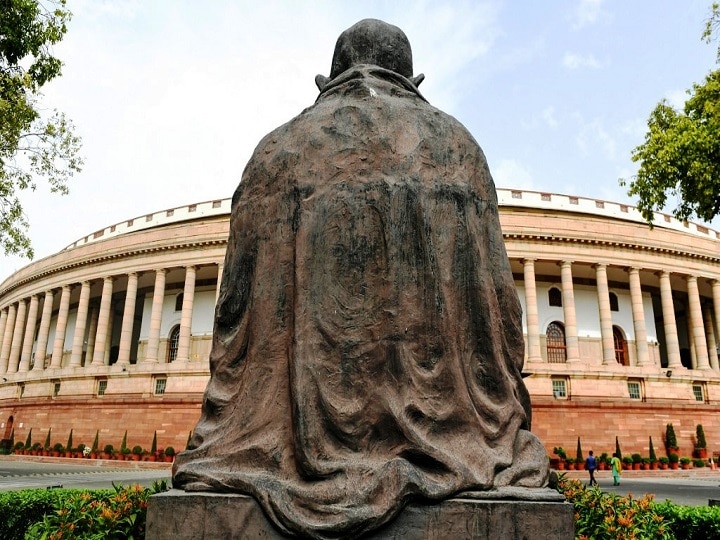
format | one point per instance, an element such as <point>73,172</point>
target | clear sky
<point>171,96</point>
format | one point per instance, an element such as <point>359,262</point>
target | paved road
<point>16,475</point>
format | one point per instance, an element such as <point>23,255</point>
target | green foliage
<point>664,460</point>
<point>680,157</point>
<point>137,449</point>
<point>559,451</point>
<point>20,509</point>
<point>46,446</point>
<point>700,437</point>
<point>108,449</point>
<point>712,25</point>
<point>673,457</point>
<point>691,522</point>
<point>153,447</point>
<point>579,458</point>
<point>653,456</point>
<point>618,453</point>
<point>96,442</point>
<point>606,516</point>
<point>636,458</point>
<point>670,438</point>
<point>699,463</point>
<point>28,440</point>
<point>33,144</point>
<point>170,451</point>
<point>123,444</point>
<point>69,444</point>
<point>115,514</point>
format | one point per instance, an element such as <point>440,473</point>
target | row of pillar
<point>18,323</point>
<point>699,319</point>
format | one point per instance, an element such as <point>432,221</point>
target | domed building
<point>113,333</point>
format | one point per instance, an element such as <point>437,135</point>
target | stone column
<point>638,314</point>
<point>60,327</point>
<point>91,334</point>
<point>156,316</point>
<point>3,323</point>
<point>103,322</point>
<point>183,354</point>
<point>7,338</point>
<point>571,336</point>
<point>668,308</point>
<point>44,332</point>
<point>128,319</point>
<point>221,268</point>
<point>710,331</point>
<point>80,325</point>
<point>531,311</point>
<point>29,338</point>
<point>17,338</point>
<point>696,320</point>
<point>606,331</point>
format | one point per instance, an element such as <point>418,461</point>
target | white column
<point>572,345</point>
<point>156,316</point>
<point>128,319</point>
<point>103,322</point>
<point>531,314</point>
<point>29,338</point>
<point>17,338</point>
<point>696,320</point>
<point>638,313</point>
<point>44,332</point>
<point>60,327</point>
<point>711,343</point>
<point>7,338</point>
<point>183,354</point>
<point>80,325</point>
<point>3,323</point>
<point>606,331</point>
<point>669,322</point>
<point>221,268</point>
<point>716,307</point>
<point>91,334</point>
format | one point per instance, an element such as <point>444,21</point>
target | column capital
<point>599,265</point>
<point>525,260</point>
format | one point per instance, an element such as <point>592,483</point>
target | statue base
<point>179,515</point>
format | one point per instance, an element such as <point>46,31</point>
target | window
<point>179,302</point>
<point>614,302</point>
<point>621,352</point>
<point>101,387</point>
<point>634,390</point>
<point>160,385</point>
<point>555,297</point>
<point>173,342</point>
<point>559,387</point>
<point>556,352</point>
<point>56,388</point>
<point>698,392</point>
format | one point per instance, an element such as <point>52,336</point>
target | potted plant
<point>579,457</point>
<point>69,445</point>
<point>152,455</point>
<point>603,461</point>
<point>671,440</point>
<point>636,461</point>
<point>19,447</point>
<point>108,451</point>
<point>80,450</point>
<point>137,452</point>
<point>37,449</point>
<point>125,453</point>
<point>46,447</point>
<point>674,460</point>
<point>57,450</point>
<point>700,443</point>
<point>95,445</point>
<point>685,462</point>
<point>169,454</point>
<point>664,462</point>
<point>559,451</point>
<point>646,464</point>
<point>627,463</point>
<point>28,442</point>
<point>698,462</point>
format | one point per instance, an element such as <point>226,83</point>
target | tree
<point>680,157</point>
<point>33,145</point>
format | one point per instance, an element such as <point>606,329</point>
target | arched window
<point>556,351</point>
<point>173,340</point>
<point>554,297</point>
<point>614,302</point>
<point>179,302</point>
<point>9,427</point>
<point>621,352</point>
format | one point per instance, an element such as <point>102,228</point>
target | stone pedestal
<point>177,515</point>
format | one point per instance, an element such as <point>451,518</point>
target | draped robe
<point>368,347</point>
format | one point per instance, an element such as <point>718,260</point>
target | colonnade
<point>703,325</point>
<point>20,329</point>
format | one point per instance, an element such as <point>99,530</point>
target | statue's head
<point>375,42</point>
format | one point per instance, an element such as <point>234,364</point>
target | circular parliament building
<point>622,322</point>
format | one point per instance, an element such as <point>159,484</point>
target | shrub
<point>673,457</point>
<point>28,441</point>
<point>664,460</point>
<point>96,442</point>
<point>699,463</point>
<point>153,446</point>
<point>108,449</point>
<point>691,522</point>
<point>685,461</point>
<point>123,444</point>
<point>46,446</point>
<point>670,438</point>
<point>137,449</point>
<point>700,442</point>
<point>559,451</point>
<point>579,453</point>
<point>69,444</point>
<point>618,453</point>
<point>20,509</point>
<point>627,460</point>
<point>170,451</point>
<point>652,455</point>
<point>636,458</point>
<point>58,447</point>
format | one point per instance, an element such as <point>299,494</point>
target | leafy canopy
<point>680,157</point>
<point>33,145</point>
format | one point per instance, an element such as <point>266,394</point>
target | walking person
<point>590,466</point>
<point>616,469</point>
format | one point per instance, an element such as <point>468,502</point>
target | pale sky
<point>171,96</point>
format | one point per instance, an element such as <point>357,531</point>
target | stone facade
<point>621,323</point>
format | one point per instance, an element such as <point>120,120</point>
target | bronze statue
<point>368,345</point>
